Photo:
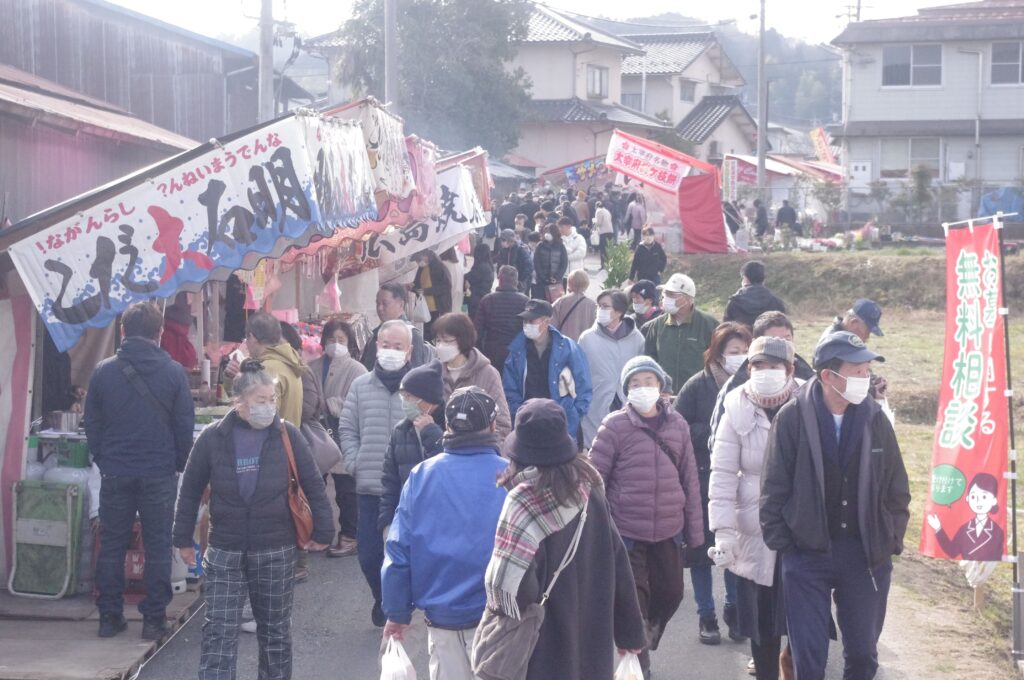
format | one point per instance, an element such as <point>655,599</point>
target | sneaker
<point>709,634</point>
<point>377,615</point>
<point>153,628</point>
<point>343,547</point>
<point>751,668</point>
<point>249,626</point>
<point>729,616</point>
<point>111,625</point>
<point>301,575</point>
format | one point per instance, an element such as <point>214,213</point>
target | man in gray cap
<point>835,504</point>
<point>511,252</point>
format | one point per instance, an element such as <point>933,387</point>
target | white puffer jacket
<point>576,249</point>
<point>736,461</point>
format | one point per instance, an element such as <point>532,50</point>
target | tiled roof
<point>327,41</point>
<point>666,53</point>
<point>548,26</point>
<point>705,118</point>
<point>985,20</point>
<point>576,110</point>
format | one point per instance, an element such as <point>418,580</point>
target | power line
<point>635,25</point>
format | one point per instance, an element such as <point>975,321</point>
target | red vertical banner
<point>966,510</point>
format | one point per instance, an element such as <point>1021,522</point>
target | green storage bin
<point>47,530</point>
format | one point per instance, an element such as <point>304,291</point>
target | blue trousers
<point>702,580</point>
<point>809,579</point>
<point>370,542</point>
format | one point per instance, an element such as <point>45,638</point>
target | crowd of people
<point>550,461</point>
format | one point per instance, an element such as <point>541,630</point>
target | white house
<point>943,90</point>
<point>576,72</point>
<point>719,125</point>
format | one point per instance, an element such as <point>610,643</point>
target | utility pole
<point>391,53</point>
<point>266,73</point>
<point>858,10</point>
<point>762,110</point>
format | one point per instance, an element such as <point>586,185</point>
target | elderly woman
<point>574,311</point>
<point>244,459</point>
<point>645,456</point>
<point>736,461</point>
<point>696,402</point>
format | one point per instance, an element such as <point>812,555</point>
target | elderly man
<point>496,321</point>
<point>264,341</point>
<point>391,299</point>
<point>543,363</point>
<point>678,338</point>
<point>373,408</point>
<point>862,320</point>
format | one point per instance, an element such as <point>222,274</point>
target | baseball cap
<point>771,348</point>
<point>870,313</point>
<point>536,309</point>
<point>645,289</point>
<point>508,235</point>
<point>843,345</point>
<point>470,409</point>
<point>680,283</point>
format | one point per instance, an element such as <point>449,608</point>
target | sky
<point>814,21</point>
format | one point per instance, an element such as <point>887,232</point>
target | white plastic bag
<point>395,664</point>
<point>629,668</point>
<point>420,312</point>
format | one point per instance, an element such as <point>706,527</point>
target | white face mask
<point>643,399</point>
<point>768,382</point>
<point>446,351</point>
<point>604,316</point>
<point>391,359</point>
<point>549,237</point>
<point>670,306</point>
<point>531,331</point>
<point>336,350</point>
<point>261,415</point>
<point>732,362</point>
<point>640,308</point>
<point>856,388</point>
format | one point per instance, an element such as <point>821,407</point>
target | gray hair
<point>265,328</point>
<point>396,323</point>
<point>251,375</point>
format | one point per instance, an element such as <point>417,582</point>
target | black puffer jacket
<point>696,402</point>
<point>550,262</point>
<point>648,263</point>
<point>265,521</point>
<point>497,323</point>
<point>406,450</point>
<point>750,302</point>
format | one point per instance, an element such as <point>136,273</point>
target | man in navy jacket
<point>139,420</point>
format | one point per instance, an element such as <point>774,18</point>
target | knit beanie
<point>642,364</point>
<point>425,383</point>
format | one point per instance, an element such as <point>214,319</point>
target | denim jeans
<point>120,499</point>
<point>370,542</point>
<point>348,504</point>
<point>701,578</point>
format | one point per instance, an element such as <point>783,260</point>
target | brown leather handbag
<point>302,516</point>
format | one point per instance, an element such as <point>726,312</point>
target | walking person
<point>455,262</point>
<point>585,216</point>
<point>480,277</point>
<point>512,252</point>
<point>390,305</point>
<point>761,225</point>
<point>244,460</point>
<point>434,283</point>
<point>334,372</point>
<point>556,547</point>
<point>785,221</point>
<point>429,566</point>
<point>497,322</point>
<point>645,457</point>
<point>833,454</point>
<point>264,341</point>
<point>574,312</point>
<point>678,338</point>
<point>696,402</point>
<point>550,263</point>
<point>752,299</point>
<point>649,259</point>
<point>575,244</point>
<point>605,226</point>
<point>612,341</point>
<point>139,421</point>
<point>636,217</point>
<point>736,463</point>
<point>644,296</point>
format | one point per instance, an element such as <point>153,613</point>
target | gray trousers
<point>449,653</point>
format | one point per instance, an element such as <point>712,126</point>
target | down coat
<point>651,499</point>
<point>370,415</point>
<point>606,356</point>
<point>736,463</point>
<point>478,371</point>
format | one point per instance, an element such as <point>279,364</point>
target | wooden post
<point>980,597</point>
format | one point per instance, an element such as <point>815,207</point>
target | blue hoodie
<point>442,538</point>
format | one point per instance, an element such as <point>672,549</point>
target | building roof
<point>926,128</point>
<point>576,110</point>
<point>984,20</point>
<point>710,113</point>
<point>324,42</point>
<point>666,53</point>
<point>25,95</point>
<point>546,25</point>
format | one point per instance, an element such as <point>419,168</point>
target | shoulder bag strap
<point>570,553</point>
<point>142,388</point>
<point>293,470</point>
<point>665,448</point>
<point>573,309</point>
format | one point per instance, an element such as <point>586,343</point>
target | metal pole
<point>391,53</point>
<point>266,74</point>
<point>762,109</point>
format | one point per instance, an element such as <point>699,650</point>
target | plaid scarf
<point>527,518</point>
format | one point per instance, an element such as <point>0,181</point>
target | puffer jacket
<point>606,357</point>
<point>550,262</point>
<point>695,403</point>
<point>364,430</point>
<point>479,371</point>
<point>750,302</point>
<point>497,323</point>
<point>407,449</point>
<point>575,249</point>
<point>650,498</point>
<point>736,464</point>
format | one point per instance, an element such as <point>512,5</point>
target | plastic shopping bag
<point>629,668</point>
<point>395,665</point>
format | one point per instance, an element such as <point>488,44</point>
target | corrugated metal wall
<point>157,74</point>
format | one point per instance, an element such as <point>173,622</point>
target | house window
<point>911,65</point>
<point>895,154</point>
<point>1006,63</point>
<point>714,149</point>
<point>633,101</point>
<point>687,90</point>
<point>925,152</point>
<point>900,157</point>
<point>597,81</point>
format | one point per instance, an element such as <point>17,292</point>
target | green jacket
<point>679,348</point>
